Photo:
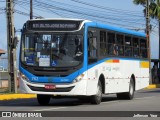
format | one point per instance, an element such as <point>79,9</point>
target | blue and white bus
<point>81,58</point>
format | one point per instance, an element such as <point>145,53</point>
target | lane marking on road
<point>144,97</point>
<point>122,100</point>
<point>110,102</point>
<point>50,109</point>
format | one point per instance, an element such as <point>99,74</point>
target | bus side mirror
<point>16,41</point>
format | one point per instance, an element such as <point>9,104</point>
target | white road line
<point>144,97</point>
<point>122,100</point>
<point>49,109</point>
<point>110,102</point>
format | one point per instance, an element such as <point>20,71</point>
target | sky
<point>122,13</point>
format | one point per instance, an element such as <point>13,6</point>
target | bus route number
<point>35,78</point>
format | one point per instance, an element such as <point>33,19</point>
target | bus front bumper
<point>70,89</point>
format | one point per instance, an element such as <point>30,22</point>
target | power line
<point>62,5</point>
<point>23,13</point>
<point>42,4</point>
<point>155,34</point>
<point>105,17</point>
<point>103,13</point>
<point>105,8</point>
<point>112,16</point>
<point>28,10</point>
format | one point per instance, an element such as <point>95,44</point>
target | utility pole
<point>148,37</point>
<point>11,50</point>
<point>31,10</point>
<point>159,41</point>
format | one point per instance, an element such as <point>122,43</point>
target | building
<point>2,52</point>
<point>3,73</point>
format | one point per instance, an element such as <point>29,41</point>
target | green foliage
<point>139,2</point>
<point>156,10</point>
<point>154,7</point>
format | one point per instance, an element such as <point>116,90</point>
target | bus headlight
<point>79,78</point>
<point>24,77</point>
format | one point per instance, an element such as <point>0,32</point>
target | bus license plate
<point>50,87</point>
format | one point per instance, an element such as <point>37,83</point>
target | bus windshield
<point>52,49</point>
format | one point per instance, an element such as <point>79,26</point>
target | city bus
<point>81,59</point>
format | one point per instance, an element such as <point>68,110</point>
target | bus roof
<point>59,19</point>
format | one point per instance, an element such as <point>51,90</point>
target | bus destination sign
<point>53,25</point>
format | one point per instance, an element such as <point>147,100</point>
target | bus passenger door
<point>92,66</point>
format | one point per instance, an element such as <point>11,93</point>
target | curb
<point>16,96</point>
<point>152,86</point>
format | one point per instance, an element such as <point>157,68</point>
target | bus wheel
<point>96,99</point>
<point>43,99</point>
<point>121,95</point>
<point>130,94</point>
<point>127,95</point>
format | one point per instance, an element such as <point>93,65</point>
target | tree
<point>154,11</point>
<point>154,7</point>
<point>141,2</point>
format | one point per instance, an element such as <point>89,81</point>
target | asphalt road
<point>148,100</point>
<point>145,100</point>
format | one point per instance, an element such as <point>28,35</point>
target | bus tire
<point>120,95</point>
<point>96,99</point>
<point>43,99</point>
<point>84,99</point>
<point>130,94</point>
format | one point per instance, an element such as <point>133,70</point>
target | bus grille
<point>42,89</point>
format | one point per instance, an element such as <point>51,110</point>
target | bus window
<point>143,48</point>
<point>28,51</point>
<point>120,44</point>
<point>128,51</point>
<point>136,52</point>
<point>128,46</point>
<point>120,39</point>
<point>143,43</point>
<point>111,44</point>
<point>143,53</point>
<point>110,37</point>
<point>136,47</point>
<point>92,49</point>
<point>135,42</point>
<point>128,41</point>
<point>103,46</point>
<point>120,50</point>
<point>113,49</point>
